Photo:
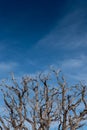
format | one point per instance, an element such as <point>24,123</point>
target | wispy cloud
<point>67,42</point>
<point>8,66</point>
<point>75,69</point>
<point>70,32</point>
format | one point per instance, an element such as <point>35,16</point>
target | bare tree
<point>44,109</point>
<point>14,99</point>
<point>42,100</point>
<point>72,105</point>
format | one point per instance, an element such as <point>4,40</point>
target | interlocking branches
<point>41,100</point>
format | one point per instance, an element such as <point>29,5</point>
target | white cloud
<point>70,32</point>
<point>75,69</point>
<point>8,66</point>
<point>73,63</point>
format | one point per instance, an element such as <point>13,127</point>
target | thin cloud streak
<point>75,69</point>
<point>7,66</point>
<point>70,33</point>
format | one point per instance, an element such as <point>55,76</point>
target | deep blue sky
<point>35,34</point>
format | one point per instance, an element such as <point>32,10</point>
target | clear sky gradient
<point>35,34</point>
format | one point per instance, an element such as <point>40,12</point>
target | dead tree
<point>30,102</point>
<point>15,103</point>
<point>42,100</point>
<point>72,105</point>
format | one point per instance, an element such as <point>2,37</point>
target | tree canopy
<point>37,102</point>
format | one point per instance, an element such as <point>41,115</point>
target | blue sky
<point>35,34</point>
